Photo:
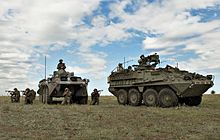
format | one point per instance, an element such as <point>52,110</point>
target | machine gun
<point>23,92</point>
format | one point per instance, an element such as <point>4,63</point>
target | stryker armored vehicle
<point>164,87</point>
<point>55,86</point>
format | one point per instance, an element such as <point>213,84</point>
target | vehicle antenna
<point>45,76</point>
<point>124,62</point>
<point>45,72</point>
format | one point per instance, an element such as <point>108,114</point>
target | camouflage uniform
<point>95,97</point>
<point>15,95</point>
<point>61,67</point>
<point>28,96</point>
<point>142,60</point>
<point>120,67</point>
<point>67,96</point>
<point>33,95</point>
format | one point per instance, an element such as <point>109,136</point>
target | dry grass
<point>109,121</point>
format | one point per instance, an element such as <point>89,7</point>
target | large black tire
<point>122,97</point>
<point>193,101</point>
<point>134,97</point>
<point>150,97</point>
<point>49,99</point>
<point>167,98</point>
<point>83,100</point>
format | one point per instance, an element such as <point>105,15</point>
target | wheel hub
<point>133,98</point>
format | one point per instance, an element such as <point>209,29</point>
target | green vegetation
<point>109,121</point>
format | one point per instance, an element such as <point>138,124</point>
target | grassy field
<point>109,121</point>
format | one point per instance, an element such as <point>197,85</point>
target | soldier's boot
<point>97,101</point>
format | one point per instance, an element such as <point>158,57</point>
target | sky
<point>93,36</point>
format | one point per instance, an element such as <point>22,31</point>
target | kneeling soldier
<point>67,96</point>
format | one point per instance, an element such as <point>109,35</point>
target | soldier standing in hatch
<point>61,67</point>
<point>67,96</point>
<point>95,97</point>
<point>120,67</point>
<point>142,60</point>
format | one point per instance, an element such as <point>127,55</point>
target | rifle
<point>100,90</point>
<point>23,92</point>
<point>9,91</point>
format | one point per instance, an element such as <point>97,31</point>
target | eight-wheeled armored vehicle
<point>164,87</point>
<point>54,87</point>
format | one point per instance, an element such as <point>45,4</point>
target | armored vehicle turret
<point>55,85</point>
<point>164,87</point>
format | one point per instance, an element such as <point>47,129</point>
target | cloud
<point>172,25</point>
<point>30,29</point>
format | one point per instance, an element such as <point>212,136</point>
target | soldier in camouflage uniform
<point>28,96</point>
<point>120,67</point>
<point>95,97</point>
<point>67,96</point>
<point>142,60</point>
<point>15,95</point>
<point>33,95</point>
<point>61,67</point>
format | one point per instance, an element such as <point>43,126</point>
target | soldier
<point>95,97</point>
<point>142,60</point>
<point>61,67</point>
<point>120,67</point>
<point>28,96</point>
<point>15,95</point>
<point>129,68</point>
<point>67,96</point>
<point>33,95</point>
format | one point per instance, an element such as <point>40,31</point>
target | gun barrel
<point>8,91</point>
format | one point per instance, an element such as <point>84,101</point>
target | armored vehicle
<point>54,87</point>
<point>164,87</point>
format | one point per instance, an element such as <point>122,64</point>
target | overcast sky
<point>93,36</point>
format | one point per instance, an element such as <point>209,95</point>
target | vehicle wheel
<point>122,97</point>
<point>134,97</point>
<point>83,100</point>
<point>150,97</point>
<point>167,98</point>
<point>181,101</point>
<point>193,101</point>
